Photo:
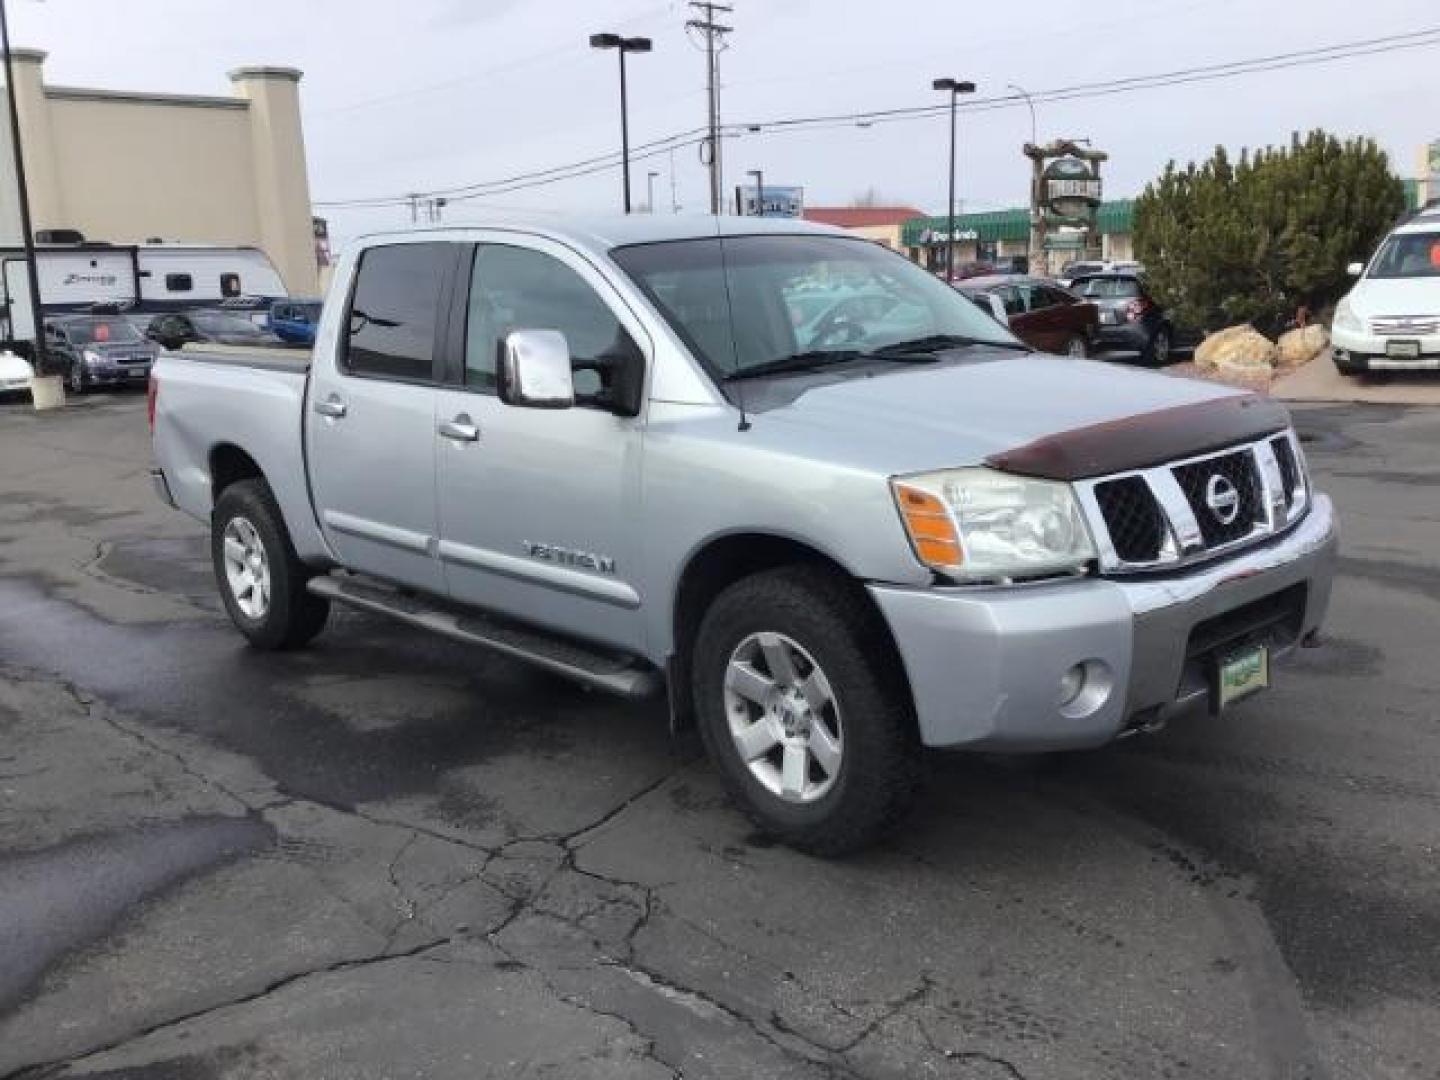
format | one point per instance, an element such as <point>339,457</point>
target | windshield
<point>1408,255</point>
<point>212,322</point>
<point>101,332</point>
<point>745,302</point>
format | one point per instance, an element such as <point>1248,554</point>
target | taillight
<point>152,391</point>
<point>1136,308</point>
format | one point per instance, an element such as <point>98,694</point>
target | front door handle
<point>461,429</point>
<point>331,406</point>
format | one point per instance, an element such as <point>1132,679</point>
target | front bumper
<point>985,664</point>
<point>1360,350</point>
<point>130,375</point>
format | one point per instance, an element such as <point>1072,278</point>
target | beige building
<point>126,167</point>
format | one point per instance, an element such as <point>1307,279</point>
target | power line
<point>1159,80</point>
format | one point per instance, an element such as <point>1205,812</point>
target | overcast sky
<point>421,94</point>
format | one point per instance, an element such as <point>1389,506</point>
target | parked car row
<point>1104,311</point>
<point>105,347</point>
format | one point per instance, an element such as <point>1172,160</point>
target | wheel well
<point>229,464</point>
<point>713,569</point>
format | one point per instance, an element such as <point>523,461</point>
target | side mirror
<point>1355,269</point>
<point>535,370</point>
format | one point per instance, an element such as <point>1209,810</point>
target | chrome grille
<point>1238,470</point>
<point>1401,325</point>
<point>1132,517</point>
<point>1199,508</point>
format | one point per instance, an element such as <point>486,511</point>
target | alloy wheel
<point>247,569</point>
<point>783,717</point>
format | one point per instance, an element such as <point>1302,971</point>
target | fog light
<point>1084,688</point>
<point>1071,683</point>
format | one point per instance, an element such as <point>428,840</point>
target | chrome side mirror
<point>535,370</point>
<point>1355,269</point>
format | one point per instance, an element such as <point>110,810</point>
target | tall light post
<point>759,175</point>
<point>623,45</point>
<point>1028,101</point>
<point>42,364</point>
<point>956,87</point>
<point>650,191</point>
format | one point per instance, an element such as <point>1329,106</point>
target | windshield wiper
<point>934,343</point>
<point>801,361</point>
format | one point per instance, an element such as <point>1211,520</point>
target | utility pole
<point>714,33</point>
<point>674,202</point>
<point>650,191</point>
<point>42,361</point>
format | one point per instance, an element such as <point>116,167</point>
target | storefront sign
<point>1072,190</point>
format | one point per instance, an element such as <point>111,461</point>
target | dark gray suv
<point>98,350</point>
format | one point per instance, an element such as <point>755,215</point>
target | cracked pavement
<point>391,856</point>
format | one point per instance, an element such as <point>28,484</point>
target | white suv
<point>1390,320</point>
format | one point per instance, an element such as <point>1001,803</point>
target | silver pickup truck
<point>780,472</point>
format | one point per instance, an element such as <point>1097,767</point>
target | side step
<point>611,672</point>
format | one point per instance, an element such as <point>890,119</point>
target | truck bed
<point>245,356</point>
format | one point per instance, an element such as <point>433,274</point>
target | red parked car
<point>1040,313</point>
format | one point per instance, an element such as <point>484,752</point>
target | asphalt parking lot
<point>388,856</point>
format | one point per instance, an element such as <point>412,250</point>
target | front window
<point>749,302</point>
<point>116,331</point>
<point>1408,255</point>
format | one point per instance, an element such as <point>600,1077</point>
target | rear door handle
<point>331,406</point>
<point>461,429</point>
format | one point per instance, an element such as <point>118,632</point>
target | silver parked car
<point>602,447</point>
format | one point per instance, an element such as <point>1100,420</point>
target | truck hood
<point>952,414</point>
<point>1382,297</point>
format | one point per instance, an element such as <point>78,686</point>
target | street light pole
<point>759,175</point>
<point>42,365</point>
<point>622,45</point>
<point>956,87</point>
<point>1028,101</point>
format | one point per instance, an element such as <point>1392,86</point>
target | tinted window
<point>179,282</point>
<point>1045,296</point>
<point>229,284</point>
<point>1011,297</point>
<point>102,331</point>
<point>515,288</point>
<point>392,311</point>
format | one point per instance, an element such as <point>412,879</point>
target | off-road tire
<point>833,620</point>
<point>293,616</point>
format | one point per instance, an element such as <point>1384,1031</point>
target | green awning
<point>992,225</point>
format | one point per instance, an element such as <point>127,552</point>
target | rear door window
<point>393,309</point>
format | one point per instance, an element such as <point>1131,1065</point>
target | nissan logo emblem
<point>1222,498</point>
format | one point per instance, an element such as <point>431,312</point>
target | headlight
<point>979,524</point>
<point>92,358</point>
<point>1346,319</point>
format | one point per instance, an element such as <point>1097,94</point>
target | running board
<point>611,672</point>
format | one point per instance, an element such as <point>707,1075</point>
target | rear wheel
<point>261,579</point>
<point>803,709</point>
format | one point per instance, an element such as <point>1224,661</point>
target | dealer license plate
<point>1242,673</point>
<point>1403,350</point>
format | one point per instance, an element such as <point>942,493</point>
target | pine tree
<point>1256,239</point>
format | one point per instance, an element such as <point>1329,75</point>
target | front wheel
<point>261,579</point>
<point>79,381</point>
<point>1077,348</point>
<point>1158,353</point>
<point>803,709</point>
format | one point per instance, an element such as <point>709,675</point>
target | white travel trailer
<point>135,277</point>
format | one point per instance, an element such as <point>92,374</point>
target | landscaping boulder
<point>1300,346</point>
<point>1236,348</point>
